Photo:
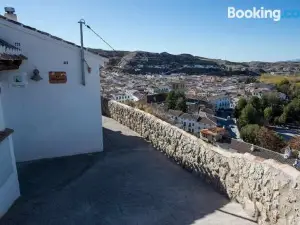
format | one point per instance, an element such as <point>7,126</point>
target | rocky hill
<point>140,62</point>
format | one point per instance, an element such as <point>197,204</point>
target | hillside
<point>140,62</point>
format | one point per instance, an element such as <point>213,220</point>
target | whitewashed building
<point>220,102</point>
<point>126,96</point>
<point>194,123</point>
<point>44,100</point>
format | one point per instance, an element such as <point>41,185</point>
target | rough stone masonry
<point>269,191</point>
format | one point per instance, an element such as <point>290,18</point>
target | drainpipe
<point>81,22</point>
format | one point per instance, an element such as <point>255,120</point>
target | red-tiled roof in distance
<point>214,131</point>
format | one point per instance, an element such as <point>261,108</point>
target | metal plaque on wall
<point>57,77</point>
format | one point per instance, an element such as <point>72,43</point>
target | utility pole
<point>81,22</point>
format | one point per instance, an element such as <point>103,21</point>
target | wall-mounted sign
<point>57,77</point>
<point>20,80</point>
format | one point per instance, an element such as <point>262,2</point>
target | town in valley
<point>238,113</point>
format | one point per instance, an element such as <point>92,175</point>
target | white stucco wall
<point>51,120</point>
<point>9,184</point>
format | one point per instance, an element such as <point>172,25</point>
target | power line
<point>122,58</point>
<point>100,37</point>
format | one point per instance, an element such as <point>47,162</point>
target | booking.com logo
<point>262,13</point>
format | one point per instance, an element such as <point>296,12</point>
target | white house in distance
<point>220,102</point>
<point>193,123</point>
<point>127,96</point>
<point>43,100</point>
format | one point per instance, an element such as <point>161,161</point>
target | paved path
<point>129,184</point>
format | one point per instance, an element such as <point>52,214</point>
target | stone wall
<point>268,190</point>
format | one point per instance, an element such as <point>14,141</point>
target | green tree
<point>249,115</point>
<point>284,88</point>
<point>255,102</point>
<point>181,104</point>
<point>176,100</point>
<point>284,82</point>
<point>249,133</point>
<point>273,100</point>
<point>241,104</point>
<point>282,119</point>
<point>268,114</point>
<point>171,100</point>
<point>239,107</point>
<point>291,112</point>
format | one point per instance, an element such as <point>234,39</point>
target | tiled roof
<point>188,116</point>
<point>208,111</point>
<point>175,112</point>
<point>47,34</point>
<point>205,120</point>
<point>216,97</point>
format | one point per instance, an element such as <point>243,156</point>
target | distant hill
<point>140,62</point>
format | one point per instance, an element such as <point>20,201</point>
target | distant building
<point>119,97</point>
<point>160,89</point>
<point>194,123</point>
<point>178,86</point>
<point>213,134</point>
<point>220,102</point>
<point>156,98</point>
<point>174,114</point>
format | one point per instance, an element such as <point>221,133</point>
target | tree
<point>268,114</point>
<point>176,100</point>
<point>249,115</point>
<point>284,82</point>
<point>250,80</point>
<point>171,100</point>
<point>282,119</point>
<point>181,104</point>
<point>270,140</point>
<point>273,100</point>
<point>294,143</point>
<point>291,112</point>
<point>249,133</point>
<point>241,104</point>
<point>255,102</point>
<point>284,88</point>
<point>239,107</point>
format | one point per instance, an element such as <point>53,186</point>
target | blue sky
<point>198,27</point>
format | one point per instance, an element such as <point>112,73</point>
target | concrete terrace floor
<point>130,183</point>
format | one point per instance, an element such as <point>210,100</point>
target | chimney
<point>10,13</point>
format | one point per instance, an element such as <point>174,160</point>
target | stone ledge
<point>287,169</point>
<point>267,189</point>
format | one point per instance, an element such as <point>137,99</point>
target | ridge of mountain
<point>142,62</point>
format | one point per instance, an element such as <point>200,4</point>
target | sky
<point>198,27</point>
